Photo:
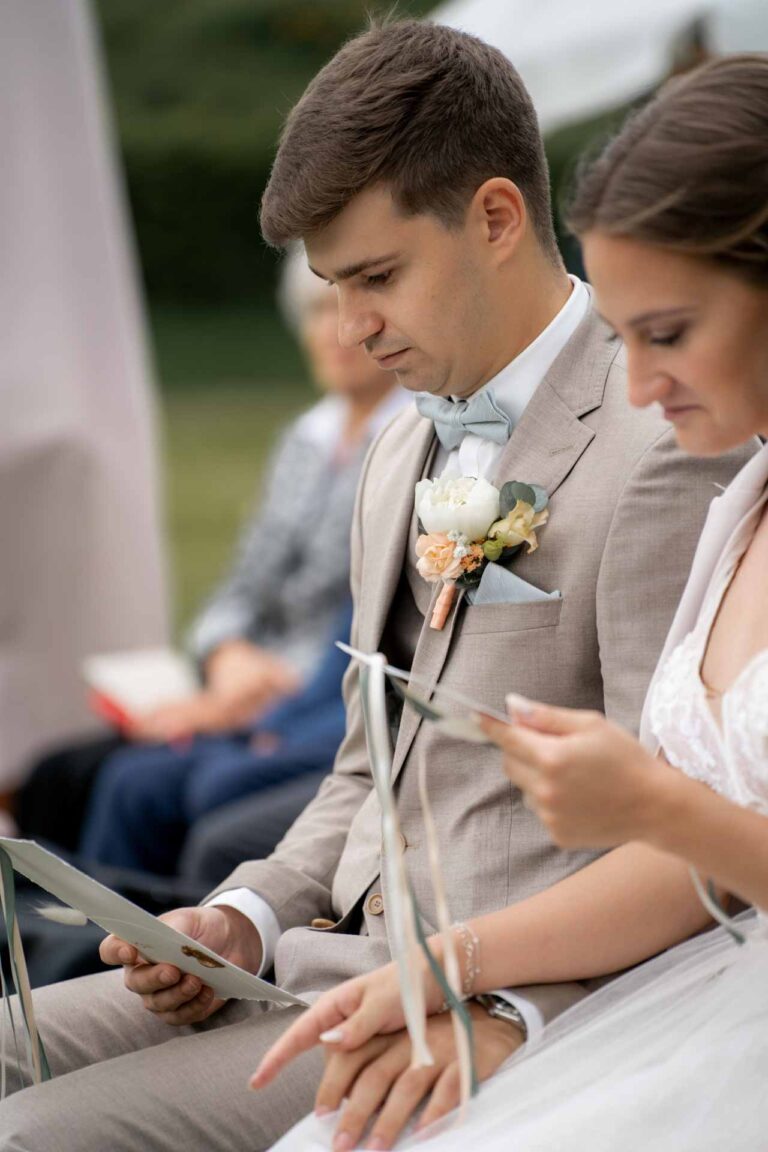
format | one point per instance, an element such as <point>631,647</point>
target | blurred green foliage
<point>200,89</point>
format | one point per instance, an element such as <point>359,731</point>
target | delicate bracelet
<point>470,950</point>
<point>470,946</point>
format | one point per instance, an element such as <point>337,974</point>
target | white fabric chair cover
<point>81,564</point>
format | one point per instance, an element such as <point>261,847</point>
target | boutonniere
<point>468,524</point>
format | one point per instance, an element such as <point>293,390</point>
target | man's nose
<point>357,324</point>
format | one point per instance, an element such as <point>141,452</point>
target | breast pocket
<point>484,619</point>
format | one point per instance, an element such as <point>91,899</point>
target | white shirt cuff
<point>534,1021</point>
<point>256,909</point>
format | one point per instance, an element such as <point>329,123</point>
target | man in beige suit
<point>414,171</point>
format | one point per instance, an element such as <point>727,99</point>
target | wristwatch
<point>501,1009</point>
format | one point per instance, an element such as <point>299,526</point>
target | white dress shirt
<point>512,387</point>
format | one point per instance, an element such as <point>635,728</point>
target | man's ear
<point>499,213</point>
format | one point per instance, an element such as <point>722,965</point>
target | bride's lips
<point>679,411</point>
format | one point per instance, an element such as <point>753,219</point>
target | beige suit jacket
<point>626,509</point>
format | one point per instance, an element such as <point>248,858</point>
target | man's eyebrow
<point>355,269</point>
<point>658,314</point>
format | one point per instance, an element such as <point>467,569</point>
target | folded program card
<point>155,940</point>
<point>452,712</point>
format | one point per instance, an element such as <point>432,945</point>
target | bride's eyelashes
<point>666,339</point>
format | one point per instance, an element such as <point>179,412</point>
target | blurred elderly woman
<point>270,706</point>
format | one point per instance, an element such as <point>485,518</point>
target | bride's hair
<point>689,170</point>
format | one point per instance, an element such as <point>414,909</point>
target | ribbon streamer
<point>37,1058</point>
<point>408,937</point>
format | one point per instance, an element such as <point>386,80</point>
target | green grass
<point>230,380</point>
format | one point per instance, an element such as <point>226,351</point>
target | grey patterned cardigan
<point>291,575</point>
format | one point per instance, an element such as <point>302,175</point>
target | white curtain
<point>581,57</point>
<point>81,562</point>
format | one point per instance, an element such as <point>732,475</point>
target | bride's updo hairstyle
<point>689,171</point>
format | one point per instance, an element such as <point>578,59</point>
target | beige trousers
<point>125,1082</point>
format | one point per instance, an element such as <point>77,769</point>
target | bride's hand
<point>589,782</point>
<point>345,1017</point>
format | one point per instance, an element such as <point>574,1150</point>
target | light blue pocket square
<point>500,586</point>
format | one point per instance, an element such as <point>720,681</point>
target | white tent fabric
<point>81,564</point>
<point>581,57</point>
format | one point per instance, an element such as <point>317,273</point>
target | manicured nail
<point>343,1142</point>
<point>332,1036</point>
<point>377,1144</point>
<point>518,705</point>
<point>167,977</point>
<point>125,955</point>
<point>322,1110</point>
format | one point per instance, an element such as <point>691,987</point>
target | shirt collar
<point>516,383</point>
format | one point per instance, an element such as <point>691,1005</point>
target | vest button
<point>321,922</point>
<point>375,904</point>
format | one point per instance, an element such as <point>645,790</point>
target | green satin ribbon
<point>451,1000</point>
<point>38,1059</point>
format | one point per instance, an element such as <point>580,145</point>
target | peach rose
<point>437,560</point>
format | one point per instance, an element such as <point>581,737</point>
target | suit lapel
<point>385,548</point>
<point>549,437</point>
<point>545,445</point>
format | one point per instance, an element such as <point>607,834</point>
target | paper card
<point>452,712</point>
<point>155,940</point>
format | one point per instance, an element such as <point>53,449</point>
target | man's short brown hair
<point>428,111</point>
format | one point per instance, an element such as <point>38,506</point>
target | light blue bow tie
<point>480,415</point>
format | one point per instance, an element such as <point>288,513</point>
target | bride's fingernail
<point>322,1110</point>
<point>332,1036</point>
<point>518,705</point>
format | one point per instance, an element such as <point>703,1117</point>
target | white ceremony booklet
<point>155,940</point>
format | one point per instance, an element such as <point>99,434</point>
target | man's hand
<point>175,997</point>
<point>378,1078</point>
<point>589,782</point>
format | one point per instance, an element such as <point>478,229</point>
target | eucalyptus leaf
<point>513,491</point>
<point>542,498</point>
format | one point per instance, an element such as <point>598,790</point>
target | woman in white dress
<point>673,1055</point>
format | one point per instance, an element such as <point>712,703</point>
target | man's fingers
<point>170,999</point>
<point>200,1008</point>
<point>445,1097</point>
<point>146,979</point>
<point>113,950</point>
<point>404,1098</point>
<point>341,1071</point>
<point>368,1092</point>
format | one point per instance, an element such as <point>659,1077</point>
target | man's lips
<point>389,357</point>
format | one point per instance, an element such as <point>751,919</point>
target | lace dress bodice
<point>730,755</point>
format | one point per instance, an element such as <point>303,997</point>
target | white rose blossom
<point>457,504</point>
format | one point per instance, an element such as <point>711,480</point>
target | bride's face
<point>696,339</point>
